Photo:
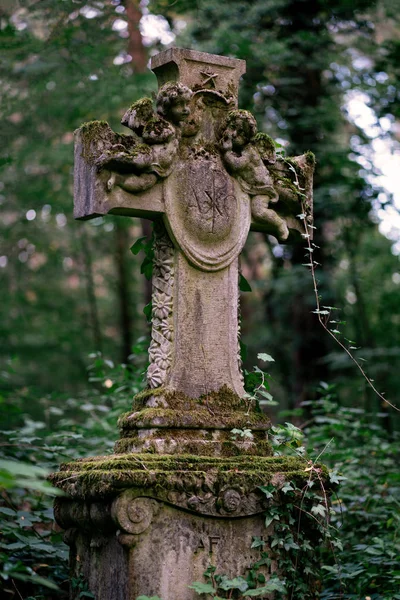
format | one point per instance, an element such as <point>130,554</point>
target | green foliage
<point>244,285</point>
<point>62,64</point>
<point>256,384</point>
<point>145,245</point>
<point>220,586</point>
<point>32,553</point>
<point>364,458</point>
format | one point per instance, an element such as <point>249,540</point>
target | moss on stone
<point>92,132</point>
<point>201,418</point>
<point>105,476</point>
<point>265,143</point>
<point>224,400</point>
<point>144,108</point>
<point>139,400</point>
<point>310,158</point>
<point>288,184</point>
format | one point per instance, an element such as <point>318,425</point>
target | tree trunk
<point>90,291</point>
<point>135,43</point>
<point>123,291</point>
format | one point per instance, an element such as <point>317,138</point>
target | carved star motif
<point>209,77</point>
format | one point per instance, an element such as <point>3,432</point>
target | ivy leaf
<point>244,285</point>
<point>147,310</point>
<point>268,491</point>
<point>147,268</point>
<point>319,510</point>
<point>265,357</point>
<point>257,542</point>
<point>202,588</point>
<point>138,246</point>
<point>287,487</point>
<point>238,583</point>
<point>271,586</point>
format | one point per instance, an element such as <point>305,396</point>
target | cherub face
<point>238,135</point>
<point>179,110</point>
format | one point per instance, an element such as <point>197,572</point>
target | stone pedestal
<point>152,548</point>
<point>151,524</point>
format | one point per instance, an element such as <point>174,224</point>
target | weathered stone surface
<point>159,550</point>
<point>201,72</point>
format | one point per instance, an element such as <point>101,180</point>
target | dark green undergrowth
<point>361,549</point>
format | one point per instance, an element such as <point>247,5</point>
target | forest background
<point>72,296</point>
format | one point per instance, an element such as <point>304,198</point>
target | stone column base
<point>157,550</point>
<point>150,524</point>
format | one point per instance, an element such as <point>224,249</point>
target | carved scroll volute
<point>133,515</point>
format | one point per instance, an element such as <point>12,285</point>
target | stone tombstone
<point>180,493</point>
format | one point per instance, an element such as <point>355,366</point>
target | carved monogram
<point>211,200</point>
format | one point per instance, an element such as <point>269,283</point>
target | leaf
<point>244,285</point>
<point>147,310</point>
<point>21,468</point>
<point>202,588</point>
<point>238,583</point>
<point>13,546</point>
<point>7,511</point>
<point>138,245</point>
<point>319,510</point>
<point>287,488</point>
<point>257,543</point>
<point>271,586</point>
<point>268,490</point>
<point>265,357</point>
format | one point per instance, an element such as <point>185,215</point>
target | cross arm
<point>292,179</point>
<point>95,192</point>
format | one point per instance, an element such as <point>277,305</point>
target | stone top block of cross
<point>201,72</point>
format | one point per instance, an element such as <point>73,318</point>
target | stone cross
<point>181,491</point>
<point>200,170</point>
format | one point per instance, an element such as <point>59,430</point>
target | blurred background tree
<point>73,288</point>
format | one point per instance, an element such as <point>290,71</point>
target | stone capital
<point>200,71</point>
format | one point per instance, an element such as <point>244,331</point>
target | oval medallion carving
<point>207,213</point>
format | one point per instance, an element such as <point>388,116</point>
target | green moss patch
<point>222,401</point>
<point>104,476</point>
<point>91,133</point>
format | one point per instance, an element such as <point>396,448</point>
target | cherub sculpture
<point>137,161</point>
<point>245,156</point>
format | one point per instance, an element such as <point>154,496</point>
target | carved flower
<point>163,263</point>
<point>162,305</point>
<point>152,349</point>
<point>164,243</point>
<point>155,376</point>
<point>167,330</point>
<point>161,357</point>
